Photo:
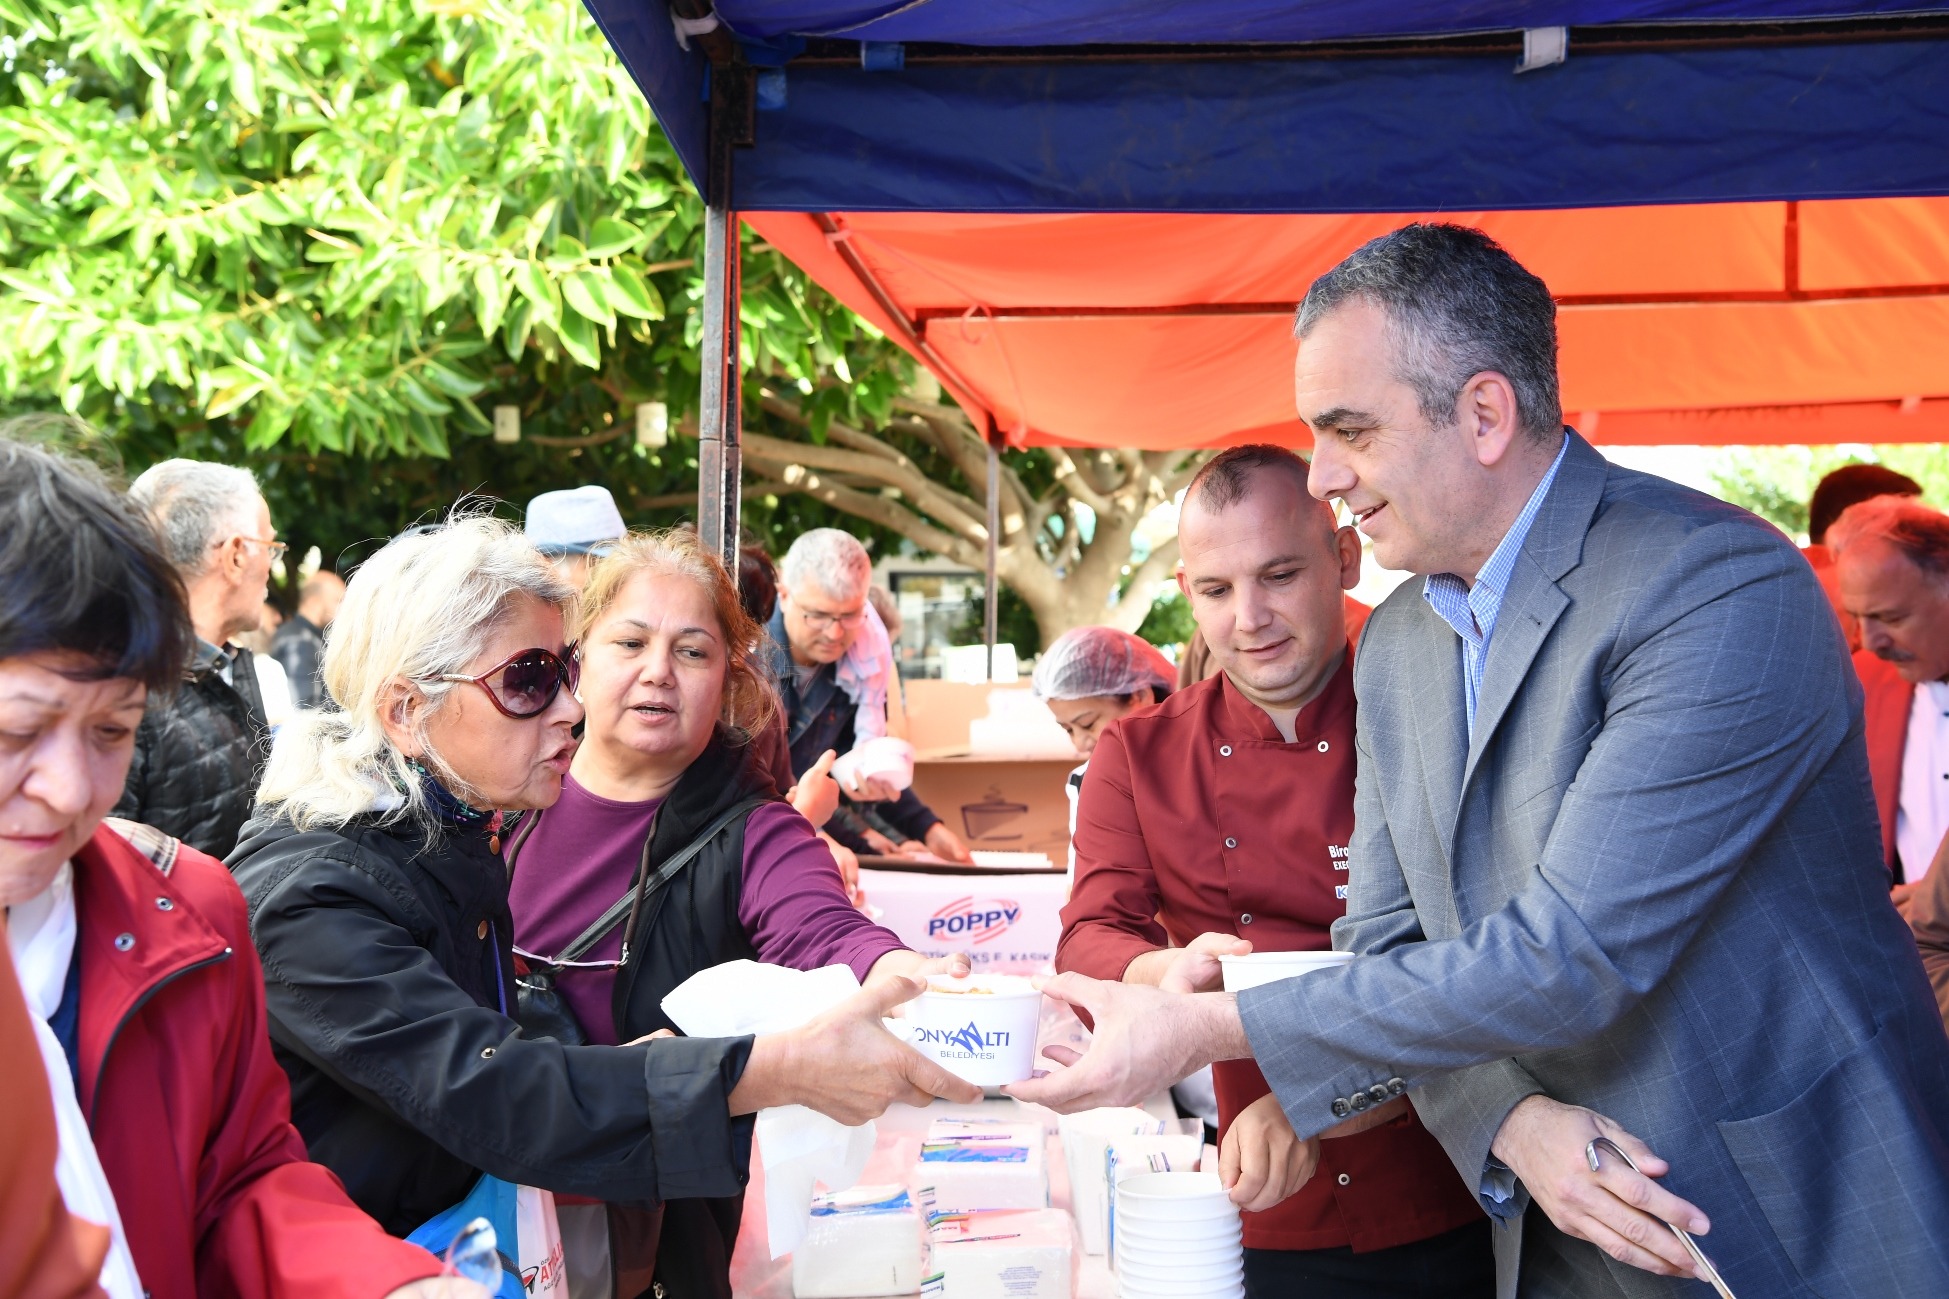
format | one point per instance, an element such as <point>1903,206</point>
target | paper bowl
<point>1258,968</point>
<point>1170,1189</point>
<point>981,1028</point>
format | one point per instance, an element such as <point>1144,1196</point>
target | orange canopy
<point>1732,323</point>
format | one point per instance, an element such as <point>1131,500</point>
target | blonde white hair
<point>424,606</point>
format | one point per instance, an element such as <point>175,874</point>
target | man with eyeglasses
<point>200,750</point>
<point>822,606</point>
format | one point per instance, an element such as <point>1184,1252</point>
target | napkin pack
<point>976,1164</point>
<point>859,1243</point>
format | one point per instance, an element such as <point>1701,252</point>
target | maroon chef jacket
<point>1196,817</point>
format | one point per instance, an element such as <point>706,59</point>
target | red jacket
<point>1888,696</point>
<point>1196,817</point>
<point>190,1113</point>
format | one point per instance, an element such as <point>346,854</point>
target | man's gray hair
<point>1457,304</point>
<point>1918,532</point>
<point>831,560</point>
<point>195,504</point>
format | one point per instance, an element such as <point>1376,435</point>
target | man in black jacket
<point>300,643</point>
<point>199,751</point>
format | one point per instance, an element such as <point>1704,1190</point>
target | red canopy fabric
<point>1734,323</point>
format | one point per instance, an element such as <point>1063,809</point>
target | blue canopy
<point>1240,106</point>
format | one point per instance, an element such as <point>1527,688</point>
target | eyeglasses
<point>278,549</point>
<point>818,620</point>
<point>523,686</point>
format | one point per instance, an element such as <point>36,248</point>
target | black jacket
<point>385,959</point>
<point>299,648</point>
<point>199,753</point>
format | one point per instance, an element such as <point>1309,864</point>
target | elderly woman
<point>673,700</point>
<point>143,992</point>
<point>380,905</point>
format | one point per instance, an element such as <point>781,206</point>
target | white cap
<point>578,521</point>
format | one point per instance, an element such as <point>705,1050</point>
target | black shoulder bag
<point>539,1006</point>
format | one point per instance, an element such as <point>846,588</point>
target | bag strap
<point>646,885</point>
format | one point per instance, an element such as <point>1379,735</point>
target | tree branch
<point>1156,569</point>
<point>1073,481</point>
<point>877,509</point>
<point>941,504</point>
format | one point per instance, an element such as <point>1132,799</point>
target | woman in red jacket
<point>142,987</point>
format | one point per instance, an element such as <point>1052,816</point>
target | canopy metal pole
<point>720,414</point>
<point>720,423</point>
<point>990,601</point>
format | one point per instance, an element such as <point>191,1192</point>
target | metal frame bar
<point>720,413</point>
<point>991,599</point>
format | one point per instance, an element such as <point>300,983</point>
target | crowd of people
<point>315,942</point>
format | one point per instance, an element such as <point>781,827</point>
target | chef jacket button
<point>124,942</point>
<point>487,1053</point>
<point>1323,746</point>
<point>1344,1180</point>
<point>1245,919</point>
<point>1379,1092</point>
<point>1340,1107</point>
<point>164,904</point>
<point>1395,1086</point>
<point>482,931</point>
<point>1224,750</point>
<point>1231,843</point>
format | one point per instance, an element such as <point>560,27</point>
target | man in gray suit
<point>1616,869</point>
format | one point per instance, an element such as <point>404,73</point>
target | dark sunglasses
<point>524,685</point>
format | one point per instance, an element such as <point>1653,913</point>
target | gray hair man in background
<point>822,606</point>
<point>1615,878</point>
<point>200,750</point>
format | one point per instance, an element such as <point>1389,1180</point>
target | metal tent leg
<point>990,600</point>
<point>720,421</point>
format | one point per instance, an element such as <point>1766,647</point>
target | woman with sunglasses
<point>379,903</point>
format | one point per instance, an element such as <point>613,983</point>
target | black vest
<point>692,923</point>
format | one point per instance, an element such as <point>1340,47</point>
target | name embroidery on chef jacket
<point>1337,852</point>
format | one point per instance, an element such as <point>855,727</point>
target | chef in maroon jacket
<point>1218,821</point>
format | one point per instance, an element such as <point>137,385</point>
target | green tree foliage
<point>1776,482</point>
<point>325,237</point>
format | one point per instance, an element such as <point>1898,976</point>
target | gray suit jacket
<point>1651,885</point>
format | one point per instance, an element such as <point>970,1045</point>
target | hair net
<point>1089,662</point>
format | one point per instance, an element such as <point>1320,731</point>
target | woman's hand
<point>901,963</point>
<point>1262,1161</point>
<point>845,1064</point>
<point>816,795</point>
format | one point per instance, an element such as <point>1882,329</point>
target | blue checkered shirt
<point>1471,611</point>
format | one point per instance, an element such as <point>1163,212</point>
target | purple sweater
<point>583,856</point>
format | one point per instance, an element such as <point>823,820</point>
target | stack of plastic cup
<point>1176,1236</point>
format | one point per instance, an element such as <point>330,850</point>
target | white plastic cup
<point>1257,968</point>
<point>981,1028</point>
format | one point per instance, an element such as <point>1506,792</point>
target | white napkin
<point>798,1147</point>
<point>887,758</point>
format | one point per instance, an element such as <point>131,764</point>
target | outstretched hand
<point>1145,1039</point>
<point>845,1064</point>
<point>1623,1213</point>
